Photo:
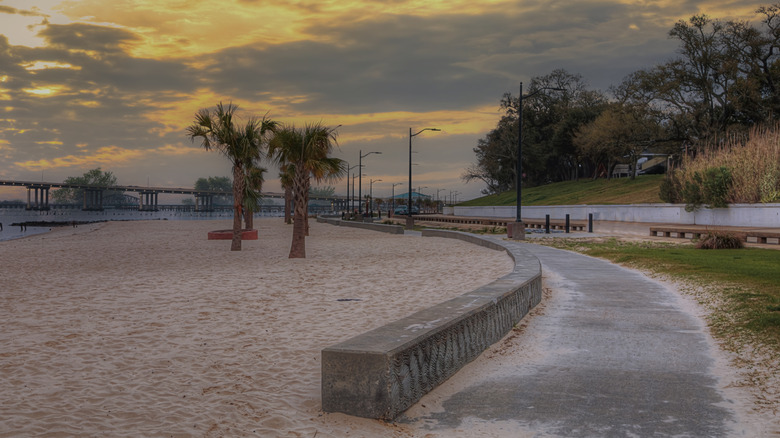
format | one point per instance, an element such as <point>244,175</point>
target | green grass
<point>742,285</point>
<point>642,190</point>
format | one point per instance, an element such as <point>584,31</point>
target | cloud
<point>125,77</point>
<point>109,155</point>
<point>15,11</point>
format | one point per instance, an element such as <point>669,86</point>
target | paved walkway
<point>613,354</point>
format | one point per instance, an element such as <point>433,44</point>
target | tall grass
<point>753,165</point>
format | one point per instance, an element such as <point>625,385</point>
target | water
<point>10,216</point>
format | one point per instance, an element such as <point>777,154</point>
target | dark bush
<point>719,240</point>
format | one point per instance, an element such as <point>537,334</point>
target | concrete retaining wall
<point>740,215</point>
<point>392,229</point>
<point>381,373</point>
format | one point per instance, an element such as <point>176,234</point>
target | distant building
<point>415,196</point>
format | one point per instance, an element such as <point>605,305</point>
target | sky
<point>114,83</point>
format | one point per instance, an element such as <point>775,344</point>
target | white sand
<point>149,329</point>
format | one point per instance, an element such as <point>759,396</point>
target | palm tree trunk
<point>298,246</point>
<point>287,203</point>
<point>306,211</point>
<point>249,221</point>
<point>238,191</point>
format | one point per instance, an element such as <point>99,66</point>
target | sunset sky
<point>114,83</point>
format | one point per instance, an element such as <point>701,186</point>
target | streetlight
<point>419,196</point>
<point>409,219</point>
<point>393,197</point>
<point>519,229</point>
<point>348,197</point>
<point>360,180</point>
<point>351,202</point>
<point>371,194</point>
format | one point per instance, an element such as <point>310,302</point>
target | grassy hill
<point>643,190</point>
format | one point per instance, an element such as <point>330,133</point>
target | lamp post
<point>519,229</point>
<point>348,200</point>
<point>371,194</point>
<point>351,201</point>
<point>409,219</point>
<point>393,198</point>
<point>419,196</point>
<point>360,180</point>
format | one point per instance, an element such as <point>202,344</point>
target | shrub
<point>710,187</point>
<point>670,190</point>
<point>719,240</point>
<point>740,170</point>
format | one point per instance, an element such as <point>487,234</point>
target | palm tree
<point>240,145</point>
<point>253,189</point>
<point>286,176</point>
<point>305,154</point>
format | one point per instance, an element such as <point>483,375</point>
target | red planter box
<point>228,235</point>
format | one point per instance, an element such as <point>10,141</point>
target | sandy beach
<point>148,329</point>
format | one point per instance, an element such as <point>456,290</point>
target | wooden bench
<point>764,236</point>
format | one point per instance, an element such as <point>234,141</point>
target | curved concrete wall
<point>744,215</point>
<point>381,373</point>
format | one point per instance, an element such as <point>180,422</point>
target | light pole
<point>409,219</point>
<point>348,200</point>
<point>360,180</point>
<point>437,199</point>
<point>371,194</point>
<point>351,201</point>
<point>519,229</point>
<point>419,197</point>
<point>393,197</point>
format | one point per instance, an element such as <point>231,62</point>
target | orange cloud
<point>109,155</point>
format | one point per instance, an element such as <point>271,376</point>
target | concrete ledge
<point>392,229</point>
<point>381,373</point>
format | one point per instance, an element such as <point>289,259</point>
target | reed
<point>739,170</point>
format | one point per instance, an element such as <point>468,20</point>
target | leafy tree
<point>94,177</point>
<point>620,134</point>
<point>725,78</point>
<point>550,121</point>
<point>306,154</point>
<point>241,145</point>
<point>216,183</point>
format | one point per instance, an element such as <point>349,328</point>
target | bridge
<point>147,196</point>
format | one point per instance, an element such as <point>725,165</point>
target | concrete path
<point>613,354</point>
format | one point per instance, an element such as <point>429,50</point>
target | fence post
<point>590,222</point>
<point>547,224</point>
<point>567,222</point>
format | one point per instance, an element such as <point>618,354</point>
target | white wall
<point>745,215</point>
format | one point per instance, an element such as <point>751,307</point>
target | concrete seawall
<point>740,215</point>
<point>381,373</point>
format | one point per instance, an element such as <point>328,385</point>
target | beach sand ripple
<point>149,329</point>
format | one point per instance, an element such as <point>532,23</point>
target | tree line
<point>722,83</point>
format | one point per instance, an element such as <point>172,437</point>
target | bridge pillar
<point>204,202</point>
<point>93,200</point>
<point>41,197</point>
<point>147,200</point>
